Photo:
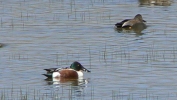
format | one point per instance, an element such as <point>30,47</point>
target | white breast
<point>80,74</point>
<point>55,74</point>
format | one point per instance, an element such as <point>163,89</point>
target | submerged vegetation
<point>34,94</point>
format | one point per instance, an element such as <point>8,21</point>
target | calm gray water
<point>53,33</point>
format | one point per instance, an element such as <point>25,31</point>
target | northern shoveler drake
<point>74,72</point>
<point>128,23</point>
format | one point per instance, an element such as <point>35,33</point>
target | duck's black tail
<point>47,75</point>
<point>51,70</point>
<point>119,25</point>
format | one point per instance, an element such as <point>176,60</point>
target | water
<point>124,65</point>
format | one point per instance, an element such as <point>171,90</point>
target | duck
<point>129,23</point>
<point>73,72</point>
<point>1,45</point>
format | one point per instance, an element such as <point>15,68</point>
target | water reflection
<point>72,82</point>
<point>75,86</point>
<point>156,2</point>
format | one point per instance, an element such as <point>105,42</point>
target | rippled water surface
<point>124,65</point>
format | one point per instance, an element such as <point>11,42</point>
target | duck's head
<point>138,17</point>
<point>78,67</point>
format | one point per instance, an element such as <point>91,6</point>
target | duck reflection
<point>156,2</point>
<point>72,82</point>
<point>75,86</point>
